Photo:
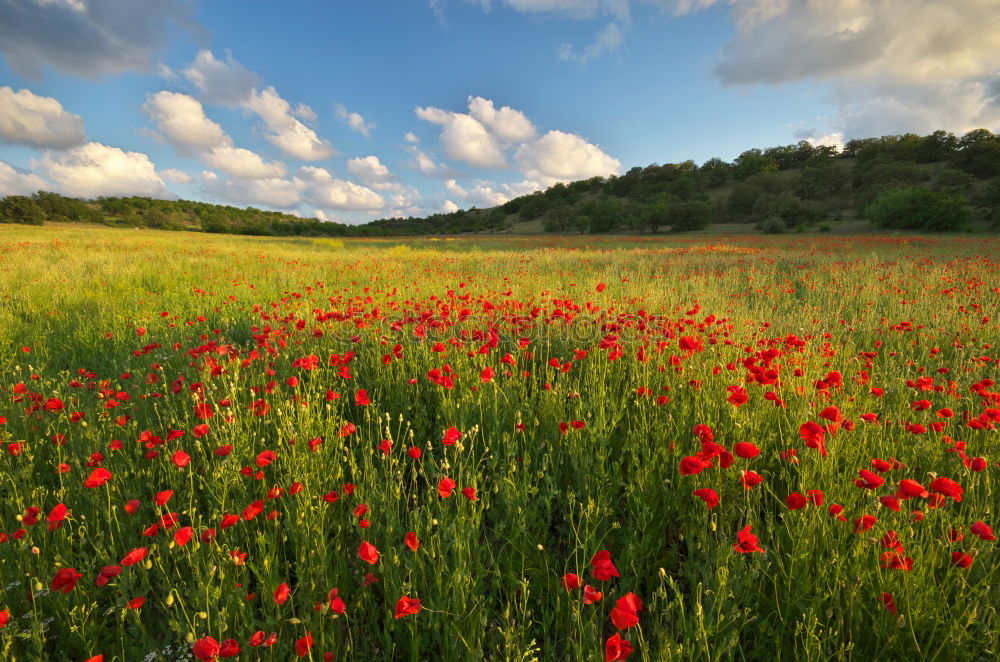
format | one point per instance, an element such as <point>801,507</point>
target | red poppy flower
<point>864,523</point>
<point>625,613</point>
<point>746,542</point>
<point>303,645</point>
<point>281,594</point>
<point>601,566</point>
<point>751,479</point>
<point>98,477</point>
<point>407,606</point>
<point>868,480</point>
<point>445,487</point>
<point>709,496</point>
<point>571,581</point>
<point>746,450</point>
<point>591,595</point>
<point>451,436</point>
<point>889,603</point>
<point>368,553</point>
<point>947,487</point>
<point>469,493</point>
<point>65,580</point>
<point>961,559</point>
<point>795,501</point>
<point>616,649</point>
<point>183,535</point>
<point>206,649</point>
<point>411,541</point>
<point>982,530</point>
<point>133,557</point>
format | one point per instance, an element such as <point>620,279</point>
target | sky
<point>361,109</point>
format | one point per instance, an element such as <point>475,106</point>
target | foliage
<point>919,209</point>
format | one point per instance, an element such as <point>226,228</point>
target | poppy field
<point>558,448</point>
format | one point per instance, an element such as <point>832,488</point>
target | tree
<point>918,209</point>
<point>20,209</point>
<point>938,146</point>
<point>753,162</point>
<point>979,154</point>
<point>714,172</point>
<point>687,216</point>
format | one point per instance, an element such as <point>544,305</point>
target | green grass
<point>240,310</point>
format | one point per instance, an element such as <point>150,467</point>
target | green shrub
<point>918,209</point>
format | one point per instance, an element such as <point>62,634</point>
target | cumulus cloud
<point>411,138</point>
<point>181,119</point>
<point>325,190</point>
<point>371,171</point>
<point>485,136</point>
<point>29,119</point>
<point>88,38</point>
<point>175,175</point>
<point>427,166</point>
<point>449,207</point>
<point>464,138</point>
<point>562,157</point>
<point>894,65</point>
<point>226,82</point>
<point>506,123</point>
<point>269,192</point>
<point>354,120</point>
<point>240,162</point>
<point>17,182</point>
<point>95,169</point>
<point>289,134</point>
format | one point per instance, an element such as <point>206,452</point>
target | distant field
<point>700,447</point>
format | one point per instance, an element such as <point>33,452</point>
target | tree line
<point>937,182</point>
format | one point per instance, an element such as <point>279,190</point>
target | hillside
<point>933,182</point>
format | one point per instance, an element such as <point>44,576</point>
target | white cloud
<point>464,138</point>
<point>369,169</point>
<point>289,134</point>
<point>562,157</point>
<point>608,39</point>
<point>29,119</point>
<point>449,207</point>
<point>181,119</point>
<point>227,82</point>
<point>240,162</point>
<point>489,194</point>
<point>411,138</point>
<point>506,124</point>
<point>427,166</point>
<point>305,113</point>
<point>326,191</point>
<point>95,169</point>
<point>87,37</point>
<point>354,120</point>
<point>174,175</point>
<point>825,140</point>
<point>269,192</point>
<point>894,65</point>
<point>16,182</point>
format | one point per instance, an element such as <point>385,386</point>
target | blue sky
<point>360,110</point>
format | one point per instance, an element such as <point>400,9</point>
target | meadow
<point>554,448</point>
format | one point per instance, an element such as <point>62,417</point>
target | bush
<point>20,209</point>
<point>686,216</point>
<point>773,225</point>
<point>918,209</point>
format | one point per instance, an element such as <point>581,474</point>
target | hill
<point>932,182</point>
